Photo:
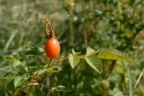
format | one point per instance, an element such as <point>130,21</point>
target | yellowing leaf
<point>89,51</point>
<point>74,60</point>
<point>113,54</point>
<point>15,61</point>
<point>9,58</point>
<point>32,46</point>
<point>53,70</point>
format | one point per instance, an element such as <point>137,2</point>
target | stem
<point>45,75</point>
<point>49,62</point>
<point>46,68</point>
<point>81,57</point>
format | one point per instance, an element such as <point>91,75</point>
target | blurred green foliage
<point>78,24</point>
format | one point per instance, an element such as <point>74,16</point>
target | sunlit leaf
<point>90,51</point>
<point>32,46</point>
<point>9,58</point>
<point>114,54</point>
<point>18,81</point>
<point>60,88</point>
<point>53,70</point>
<point>74,60</point>
<point>16,63</point>
<point>74,53</point>
<point>40,51</point>
<point>39,72</point>
<point>94,62</point>
<point>26,69</point>
<point>34,83</point>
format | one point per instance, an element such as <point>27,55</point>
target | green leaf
<point>26,69</point>
<point>32,64</point>
<point>94,62</point>
<point>31,52</point>
<point>9,75</point>
<point>45,58</point>
<point>2,74</point>
<point>53,70</point>
<point>74,53</point>
<point>10,86</point>
<point>114,54</point>
<point>16,63</point>
<point>56,61</point>
<point>34,50</point>
<point>90,51</point>
<point>42,64</point>
<point>18,81</point>
<point>39,72</point>
<point>32,46</point>
<point>12,59</point>
<point>60,88</point>
<point>2,91</point>
<point>40,51</point>
<point>9,58</point>
<point>74,60</point>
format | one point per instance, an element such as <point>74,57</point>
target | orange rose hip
<point>52,47</point>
